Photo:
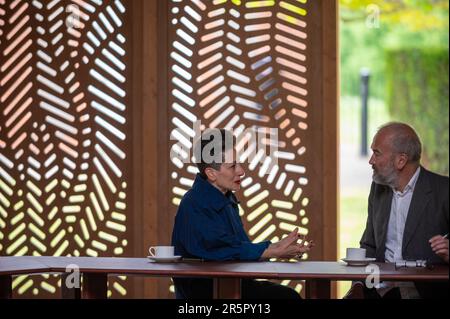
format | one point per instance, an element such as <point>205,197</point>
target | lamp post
<point>365,76</point>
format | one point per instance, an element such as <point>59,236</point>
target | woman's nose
<point>241,171</point>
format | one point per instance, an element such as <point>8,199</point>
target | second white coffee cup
<point>161,251</point>
<point>356,253</point>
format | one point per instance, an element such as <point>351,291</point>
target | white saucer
<point>164,259</point>
<point>358,262</point>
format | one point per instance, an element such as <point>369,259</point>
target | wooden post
<point>5,287</point>
<point>318,289</point>
<point>95,286</point>
<point>227,288</point>
<point>330,159</point>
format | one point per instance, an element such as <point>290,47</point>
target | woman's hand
<point>288,247</point>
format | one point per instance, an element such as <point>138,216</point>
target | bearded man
<point>408,213</point>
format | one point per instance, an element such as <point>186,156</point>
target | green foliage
<point>414,76</point>
<point>360,48</point>
<point>400,25</point>
<point>414,14</point>
<point>418,93</point>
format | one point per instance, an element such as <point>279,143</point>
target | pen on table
<point>192,259</point>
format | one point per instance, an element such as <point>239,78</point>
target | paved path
<point>355,171</point>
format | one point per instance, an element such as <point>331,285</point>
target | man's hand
<point>439,244</point>
<point>288,247</point>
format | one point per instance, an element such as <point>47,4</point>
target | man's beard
<point>389,177</point>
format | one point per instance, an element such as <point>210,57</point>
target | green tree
<point>418,93</point>
<point>402,23</point>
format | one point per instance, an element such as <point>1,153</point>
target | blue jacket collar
<point>210,196</point>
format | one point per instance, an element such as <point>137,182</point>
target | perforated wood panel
<point>82,172</point>
<point>250,64</point>
<point>64,133</point>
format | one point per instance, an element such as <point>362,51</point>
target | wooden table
<point>14,266</point>
<point>227,276</point>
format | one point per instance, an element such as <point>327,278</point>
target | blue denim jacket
<point>208,226</point>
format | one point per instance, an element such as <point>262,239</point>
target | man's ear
<point>211,174</point>
<point>402,160</point>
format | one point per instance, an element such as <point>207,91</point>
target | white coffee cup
<point>356,254</point>
<point>161,251</point>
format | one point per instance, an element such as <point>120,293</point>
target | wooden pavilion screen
<point>94,95</point>
<point>64,133</point>
<point>242,64</point>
